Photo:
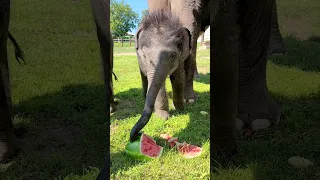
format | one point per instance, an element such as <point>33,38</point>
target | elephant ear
<point>189,36</point>
<point>137,38</point>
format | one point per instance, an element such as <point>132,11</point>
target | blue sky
<point>137,6</point>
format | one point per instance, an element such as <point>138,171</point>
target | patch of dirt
<point>113,128</point>
<point>203,70</point>
<point>124,109</point>
<point>125,54</point>
<point>300,28</point>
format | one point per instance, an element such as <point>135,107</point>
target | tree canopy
<point>145,13</point>
<point>122,18</point>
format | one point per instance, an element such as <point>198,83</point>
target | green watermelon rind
<point>133,150</point>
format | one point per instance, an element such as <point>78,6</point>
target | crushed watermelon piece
<point>187,150</point>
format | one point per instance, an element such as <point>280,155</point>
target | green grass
<point>189,126</point>
<point>58,93</point>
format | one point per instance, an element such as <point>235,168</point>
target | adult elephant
<point>240,38</point>
<point>241,33</point>
<point>192,14</point>
<point>101,10</point>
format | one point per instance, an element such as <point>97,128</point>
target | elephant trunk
<point>156,79</point>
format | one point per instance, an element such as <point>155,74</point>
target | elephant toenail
<point>260,124</point>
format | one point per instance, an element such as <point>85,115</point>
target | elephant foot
<point>112,108</point>
<point>196,75</point>
<point>190,96</point>
<point>257,112</point>
<point>178,106</point>
<point>162,114</point>
<point>7,151</point>
<point>277,48</point>
<point>257,126</point>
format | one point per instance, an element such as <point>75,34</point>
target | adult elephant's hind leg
<point>7,149</point>
<point>190,68</point>
<point>276,41</point>
<point>256,104</point>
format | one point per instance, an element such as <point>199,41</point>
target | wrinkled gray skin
<point>194,16</point>
<point>162,46</point>
<point>101,12</point>
<point>240,36</point>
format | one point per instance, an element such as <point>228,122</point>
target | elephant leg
<point>7,137</point>
<point>256,105</point>
<point>112,102</point>
<point>161,106</point>
<point>144,85</point>
<point>196,74</point>
<point>224,53</point>
<point>190,69</point>
<point>178,81</point>
<point>276,41</point>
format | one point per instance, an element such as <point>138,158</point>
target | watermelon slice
<point>144,148</point>
<point>187,150</point>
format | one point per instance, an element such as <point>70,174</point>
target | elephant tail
<point>115,77</point>
<point>18,52</point>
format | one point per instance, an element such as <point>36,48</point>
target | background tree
<point>144,13</point>
<point>122,18</point>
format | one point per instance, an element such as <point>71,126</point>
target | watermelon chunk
<point>144,148</point>
<point>188,150</point>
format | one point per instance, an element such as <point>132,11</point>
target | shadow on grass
<point>66,133</point>
<point>304,55</point>
<point>297,135</point>
<point>197,131</point>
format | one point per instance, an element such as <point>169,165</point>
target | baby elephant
<point>162,46</point>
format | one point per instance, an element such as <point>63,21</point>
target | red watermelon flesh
<point>149,147</point>
<point>171,140</point>
<point>188,150</point>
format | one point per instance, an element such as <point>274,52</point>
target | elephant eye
<point>173,57</point>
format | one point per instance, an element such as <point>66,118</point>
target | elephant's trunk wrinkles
<point>156,80</point>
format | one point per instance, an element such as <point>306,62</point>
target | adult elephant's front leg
<point>224,53</point>
<point>7,149</point>
<point>256,104</point>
